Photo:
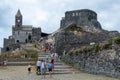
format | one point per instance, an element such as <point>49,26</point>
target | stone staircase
<point>59,67</point>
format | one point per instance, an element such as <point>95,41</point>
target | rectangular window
<point>18,32</point>
<point>76,14</point>
<point>79,14</point>
<point>26,33</point>
<point>73,14</point>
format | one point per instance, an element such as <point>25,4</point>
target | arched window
<point>29,37</point>
<point>18,25</point>
<point>17,41</point>
<point>7,49</point>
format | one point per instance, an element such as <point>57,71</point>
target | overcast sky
<point>47,13</point>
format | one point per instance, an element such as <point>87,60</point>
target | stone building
<point>80,28</point>
<point>85,18</point>
<point>21,34</point>
<point>36,34</point>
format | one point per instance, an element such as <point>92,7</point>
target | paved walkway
<point>20,73</point>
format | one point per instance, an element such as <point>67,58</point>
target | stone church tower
<point>18,19</point>
<point>21,33</point>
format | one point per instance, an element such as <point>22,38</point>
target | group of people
<point>46,46</point>
<point>43,66</point>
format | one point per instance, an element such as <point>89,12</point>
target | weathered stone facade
<point>21,34</point>
<point>36,33</point>
<point>104,62</point>
<point>85,18</point>
<point>68,39</point>
<point>80,28</point>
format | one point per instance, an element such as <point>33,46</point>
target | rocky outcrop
<point>74,37</point>
<point>104,62</point>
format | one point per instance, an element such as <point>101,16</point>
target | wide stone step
<point>66,69</point>
<point>20,63</point>
<point>44,53</point>
<point>60,72</point>
<point>62,67</point>
<point>59,67</point>
<point>42,56</point>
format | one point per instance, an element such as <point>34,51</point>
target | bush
<point>117,40</point>
<point>70,53</point>
<point>109,42</point>
<point>96,47</point>
<point>35,54</point>
<point>106,45</point>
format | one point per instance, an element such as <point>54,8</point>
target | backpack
<point>50,65</point>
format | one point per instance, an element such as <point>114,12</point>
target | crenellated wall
<point>85,18</point>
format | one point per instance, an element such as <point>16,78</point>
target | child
<point>29,68</point>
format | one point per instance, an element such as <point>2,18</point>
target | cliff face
<point>104,62</point>
<point>74,37</point>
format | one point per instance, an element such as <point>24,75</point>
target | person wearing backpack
<point>43,68</point>
<point>50,68</point>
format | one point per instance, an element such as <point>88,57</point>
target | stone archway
<point>17,41</point>
<point>29,37</point>
<point>7,49</point>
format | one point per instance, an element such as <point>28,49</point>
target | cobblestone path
<point>20,73</point>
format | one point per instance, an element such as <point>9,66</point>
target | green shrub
<point>35,54</point>
<point>109,42</point>
<point>77,53</point>
<point>70,53</point>
<point>117,40</point>
<point>96,47</point>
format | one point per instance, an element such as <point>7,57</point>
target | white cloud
<point>47,13</point>
<point>109,17</point>
<point>26,1</point>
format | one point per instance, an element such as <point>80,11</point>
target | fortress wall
<point>83,18</point>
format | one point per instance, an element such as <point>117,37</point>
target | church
<point>21,34</point>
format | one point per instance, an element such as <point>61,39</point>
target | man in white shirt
<point>38,64</point>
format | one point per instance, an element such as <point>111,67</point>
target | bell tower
<point>18,19</point>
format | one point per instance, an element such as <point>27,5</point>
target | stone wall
<point>105,62</point>
<point>85,18</point>
<point>36,34</point>
<point>66,40</point>
<point>8,44</point>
